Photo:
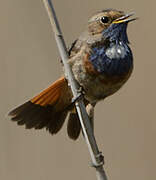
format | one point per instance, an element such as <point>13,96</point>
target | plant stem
<point>96,156</point>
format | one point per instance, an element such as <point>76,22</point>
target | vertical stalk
<point>96,156</point>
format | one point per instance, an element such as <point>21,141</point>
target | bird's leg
<point>90,111</point>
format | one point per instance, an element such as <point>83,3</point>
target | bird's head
<point>112,24</point>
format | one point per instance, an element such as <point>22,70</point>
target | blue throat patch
<point>116,59</point>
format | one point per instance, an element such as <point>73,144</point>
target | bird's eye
<point>104,19</point>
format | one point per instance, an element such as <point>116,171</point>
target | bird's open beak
<point>124,18</point>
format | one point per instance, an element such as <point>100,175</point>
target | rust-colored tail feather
<point>48,109</point>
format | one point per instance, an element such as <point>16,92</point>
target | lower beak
<point>124,18</point>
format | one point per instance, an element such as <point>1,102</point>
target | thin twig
<point>96,156</point>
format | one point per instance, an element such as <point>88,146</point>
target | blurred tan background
<point>125,123</point>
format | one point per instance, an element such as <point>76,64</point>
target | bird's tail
<point>49,109</point>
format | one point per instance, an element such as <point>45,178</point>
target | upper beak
<point>124,18</point>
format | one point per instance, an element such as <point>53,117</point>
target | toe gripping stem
<point>80,94</point>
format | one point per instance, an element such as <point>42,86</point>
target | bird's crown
<point>106,18</point>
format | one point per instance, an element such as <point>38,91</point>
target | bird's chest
<point>114,60</point>
<point>103,72</point>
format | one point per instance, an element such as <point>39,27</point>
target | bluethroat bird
<point>101,61</point>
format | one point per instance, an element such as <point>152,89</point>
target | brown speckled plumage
<point>50,108</point>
